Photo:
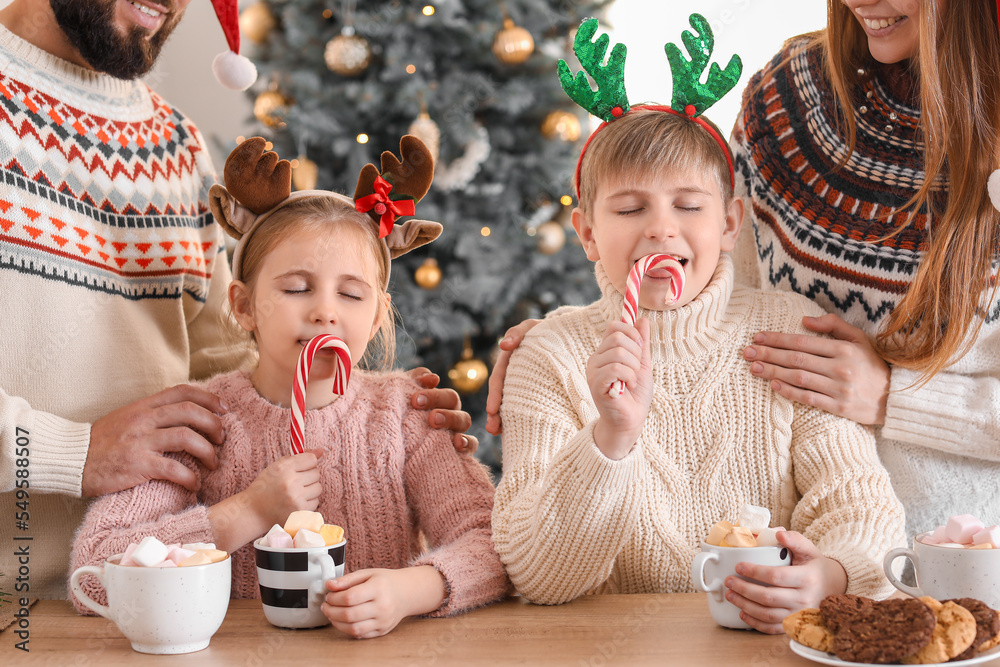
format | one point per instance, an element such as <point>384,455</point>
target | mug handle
<point>901,552</point>
<point>327,571</point>
<point>85,599</point>
<point>698,572</point>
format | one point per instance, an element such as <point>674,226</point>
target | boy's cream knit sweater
<point>568,521</point>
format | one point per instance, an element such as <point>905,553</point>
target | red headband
<point>689,113</point>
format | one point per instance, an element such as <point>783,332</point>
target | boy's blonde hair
<point>647,141</point>
<point>319,214</point>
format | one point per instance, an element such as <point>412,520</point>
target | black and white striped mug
<point>292,582</point>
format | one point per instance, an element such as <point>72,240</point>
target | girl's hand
<point>844,376</point>
<point>370,603</point>
<point>622,355</point>
<point>291,483</point>
<point>445,408</point>
<point>810,578</point>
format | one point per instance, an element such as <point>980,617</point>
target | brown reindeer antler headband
<point>258,184</point>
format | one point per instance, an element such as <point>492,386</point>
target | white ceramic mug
<point>711,567</point>
<point>161,609</point>
<point>293,582</point>
<point>945,573</point>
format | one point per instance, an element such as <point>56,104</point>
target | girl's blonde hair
<point>647,141</point>
<point>958,65</point>
<point>317,214</point>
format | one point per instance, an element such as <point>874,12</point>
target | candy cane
<point>341,376</point>
<point>630,309</point>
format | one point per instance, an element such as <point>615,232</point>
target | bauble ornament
<point>513,44</point>
<point>270,108</point>
<point>551,237</point>
<point>257,22</point>
<point>428,275</point>
<point>348,54</point>
<point>469,374</point>
<point>561,125</point>
<point>305,173</point>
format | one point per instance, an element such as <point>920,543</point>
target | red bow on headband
<point>383,206</point>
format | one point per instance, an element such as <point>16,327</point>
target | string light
<point>294,163</point>
<point>410,69</point>
<point>240,139</point>
<point>362,138</point>
<point>566,200</point>
<point>327,13</point>
<point>485,231</point>
<point>428,10</point>
<point>268,146</point>
<point>532,231</point>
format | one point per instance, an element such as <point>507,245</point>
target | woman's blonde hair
<point>958,66</point>
<point>317,214</point>
<point>647,141</point>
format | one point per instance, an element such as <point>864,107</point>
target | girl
<point>307,264</point>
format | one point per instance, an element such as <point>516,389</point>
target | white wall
<point>753,28</point>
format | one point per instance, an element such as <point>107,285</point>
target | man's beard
<point>90,27</point>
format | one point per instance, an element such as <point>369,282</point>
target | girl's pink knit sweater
<point>388,478</point>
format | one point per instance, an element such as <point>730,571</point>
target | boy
<point>615,494</point>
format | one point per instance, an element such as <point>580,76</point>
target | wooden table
<point>593,631</point>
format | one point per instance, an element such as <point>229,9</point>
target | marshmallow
<point>198,546</point>
<point>754,518</point>
<point>984,545</point>
<point>739,537</point>
<point>331,534</point>
<point>951,545</point>
<point>177,554</point>
<point>166,563</point>
<point>307,538</point>
<point>989,536</point>
<point>277,538</point>
<point>768,537</point>
<point>303,519</point>
<point>199,558</point>
<point>718,533</point>
<point>127,556</point>
<point>214,555</point>
<point>962,527</point>
<point>150,552</point>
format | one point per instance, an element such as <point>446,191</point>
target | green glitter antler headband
<point>609,101</point>
<point>690,96</point>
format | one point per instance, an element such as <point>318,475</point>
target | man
<point>113,277</point>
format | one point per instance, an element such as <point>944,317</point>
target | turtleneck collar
<point>690,330</point>
<point>53,75</point>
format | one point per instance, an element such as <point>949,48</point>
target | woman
<point>853,145</point>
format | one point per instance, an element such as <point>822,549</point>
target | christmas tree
<point>476,80</point>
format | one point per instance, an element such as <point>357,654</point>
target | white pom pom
<point>993,186</point>
<point>234,71</point>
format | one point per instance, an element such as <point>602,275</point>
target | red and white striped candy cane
<point>341,376</point>
<point>630,308</point>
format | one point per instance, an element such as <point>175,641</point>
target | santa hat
<point>231,69</point>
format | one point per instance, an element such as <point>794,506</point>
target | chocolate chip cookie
<point>887,631</point>
<point>954,631</point>
<point>807,628</point>
<point>987,625</point>
<point>839,608</point>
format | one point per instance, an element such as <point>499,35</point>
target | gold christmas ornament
<point>257,22</point>
<point>305,173</point>
<point>428,274</point>
<point>427,131</point>
<point>270,108</point>
<point>551,237</point>
<point>468,375</point>
<point>348,54</point>
<point>562,125</point>
<point>513,44</point>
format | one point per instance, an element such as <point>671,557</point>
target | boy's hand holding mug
<point>622,355</point>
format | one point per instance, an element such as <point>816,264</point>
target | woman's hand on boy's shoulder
<point>445,407</point>
<point>511,340</point>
